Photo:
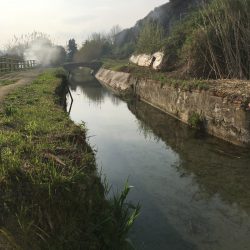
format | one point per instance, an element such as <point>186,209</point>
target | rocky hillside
<point>199,38</point>
<point>166,15</point>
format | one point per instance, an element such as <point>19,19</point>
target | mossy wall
<point>224,116</point>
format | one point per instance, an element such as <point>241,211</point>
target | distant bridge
<point>74,65</point>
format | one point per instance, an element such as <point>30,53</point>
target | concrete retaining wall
<point>225,116</point>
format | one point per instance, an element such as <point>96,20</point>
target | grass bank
<point>50,194</point>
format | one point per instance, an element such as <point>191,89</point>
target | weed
<point>10,110</point>
<point>196,121</point>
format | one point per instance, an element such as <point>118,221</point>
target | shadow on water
<point>91,85</point>
<point>194,189</point>
<point>220,171</point>
<point>218,167</point>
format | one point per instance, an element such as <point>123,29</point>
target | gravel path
<point>25,77</point>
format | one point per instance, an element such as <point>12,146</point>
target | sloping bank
<point>50,194</point>
<point>222,108</point>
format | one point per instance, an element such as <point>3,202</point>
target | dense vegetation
<point>96,47</point>
<point>201,39</point>
<point>219,46</point>
<point>151,38</point>
<point>51,196</point>
<point>212,42</point>
<point>99,45</point>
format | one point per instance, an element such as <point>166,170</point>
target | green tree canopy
<point>97,46</point>
<point>72,49</point>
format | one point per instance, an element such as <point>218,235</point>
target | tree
<point>72,49</point>
<point>19,45</point>
<point>151,38</point>
<point>113,33</point>
<point>97,46</point>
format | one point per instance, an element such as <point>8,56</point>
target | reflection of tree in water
<point>84,82</point>
<point>146,131</point>
<point>114,99</point>
<point>216,166</point>
<point>81,75</point>
<point>90,87</point>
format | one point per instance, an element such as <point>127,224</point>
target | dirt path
<point>24,78</point>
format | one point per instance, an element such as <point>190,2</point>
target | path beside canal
<point>14,80</point>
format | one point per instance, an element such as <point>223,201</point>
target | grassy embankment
<point>161,77</point>
<point>51,196</point>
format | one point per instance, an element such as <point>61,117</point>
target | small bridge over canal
<point>74,65</point>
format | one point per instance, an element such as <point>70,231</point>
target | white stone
<point>158,60</point>
<point>145,60</point>
<point>134,59</point>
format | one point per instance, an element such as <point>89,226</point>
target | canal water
<point>194,189</point>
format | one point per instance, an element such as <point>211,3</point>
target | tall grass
<point>220,45</point>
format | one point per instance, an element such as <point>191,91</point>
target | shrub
<point>175,41</point>
<point>196,121</point>
<point>123,51</point>
<point>151,38</point>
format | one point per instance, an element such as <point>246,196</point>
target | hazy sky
<point>63,19</point>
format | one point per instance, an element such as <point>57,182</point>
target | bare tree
<point>113,32</point>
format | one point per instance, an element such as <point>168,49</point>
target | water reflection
<point>218,167</point>
<point>91,88</point>
<point>194,190</point>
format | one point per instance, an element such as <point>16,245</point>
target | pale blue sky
<point>63,19</point>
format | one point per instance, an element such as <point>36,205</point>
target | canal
<point>194,189</point>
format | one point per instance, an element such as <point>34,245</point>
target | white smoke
<point>43,52</point>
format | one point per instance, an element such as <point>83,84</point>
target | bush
<point>124,51</point>
<point>175,42</point>
<point>196,121</point>
<point>151,38</point>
